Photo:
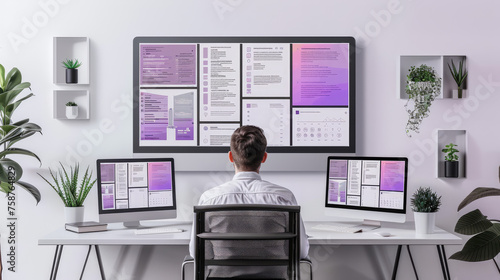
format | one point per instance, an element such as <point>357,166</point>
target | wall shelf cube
<point>457,137</point>
<point>71,48</point>
<point>80,97</point>
<point>439,63</point>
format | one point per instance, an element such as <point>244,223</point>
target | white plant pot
<point>424,222</point>
<point>73,214</point>
<point>71,112</point>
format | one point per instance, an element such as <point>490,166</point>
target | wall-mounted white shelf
<point>80,97</point>
<point>457,137</point>
<point>71,48</point>
<point>439,63</point>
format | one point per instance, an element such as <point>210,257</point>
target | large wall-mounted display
<point>191,93</point>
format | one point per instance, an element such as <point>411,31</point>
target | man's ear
<point>264,157</point>
<point>231,159</point>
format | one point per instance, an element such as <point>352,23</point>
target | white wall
<point>413,27</point>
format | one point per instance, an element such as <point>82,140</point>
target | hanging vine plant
<point>422,86</point>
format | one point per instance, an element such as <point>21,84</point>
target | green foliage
<point>71,64</point>
<point>11,132</point>
<point>485,244</point>
<point>422,86</point>
<point>458,75</point>
<point>450,152</point>
<point>72,104</point>
<point>425,200</point>
<point>66,185</point>
<point>423,73</point>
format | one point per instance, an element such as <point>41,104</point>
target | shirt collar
<point>247,175</point>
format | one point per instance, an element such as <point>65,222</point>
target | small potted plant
<point>71,110</point>
<point>451,161</point>
<point>425,203</point>
<point>422,86</point>
<point>459,75</point>
<point>70,191</point>
<point>71,70</point>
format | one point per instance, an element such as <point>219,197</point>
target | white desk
<point>401,234</point>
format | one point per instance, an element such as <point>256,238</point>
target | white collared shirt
<point>249,188</point>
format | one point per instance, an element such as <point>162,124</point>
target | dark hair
<point>248,146</point>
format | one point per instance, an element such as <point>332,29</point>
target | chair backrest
<point>247,240</point>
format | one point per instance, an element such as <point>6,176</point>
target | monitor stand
<point>134,224</point>
<point>368,225</point>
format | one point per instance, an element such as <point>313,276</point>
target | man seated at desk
<point>248,151</point>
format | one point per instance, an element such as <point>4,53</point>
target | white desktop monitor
<point>372,189</point>
<point>134,190</point>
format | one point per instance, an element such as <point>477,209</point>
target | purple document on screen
<point>392,177</point>
<point>184,116</point>
<point>159,176</point>
<point>154,116</point>
<point>168,65</point>
<point>338,169</point>
<point>108,173</point>
<point>320,74</point>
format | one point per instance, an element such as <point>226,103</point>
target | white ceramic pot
<point>71,112</point>
<point>424,222</point>
<point>73,214</point>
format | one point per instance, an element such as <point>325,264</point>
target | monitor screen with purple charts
<point>191,93</point>
<point>373,189</point>
<point>133,190</point>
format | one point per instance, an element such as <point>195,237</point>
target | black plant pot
<point>451,169</point>
<point>72,76</point>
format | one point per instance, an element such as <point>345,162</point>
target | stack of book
<point>86,227</point>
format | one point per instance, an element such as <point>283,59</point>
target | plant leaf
<point>481,247</point>
<point>472,223</point>
<point>2,77</point>
<point>31,189</point>
<point>9,166</point>
<point>13,78</point>
<point>5,187</point>
<point>18,151</point>
<point>477,194</point>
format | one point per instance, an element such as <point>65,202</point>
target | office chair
<point>246,241</point>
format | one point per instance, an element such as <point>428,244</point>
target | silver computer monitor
<point>372,189</point>
<point>133,190</point>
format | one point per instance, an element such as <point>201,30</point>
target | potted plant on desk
<point>451,161</point>
<point>422,86</point>
<point>425,204</point>
<point>72,194</point>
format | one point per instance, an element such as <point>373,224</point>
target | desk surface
<point>401,234</point>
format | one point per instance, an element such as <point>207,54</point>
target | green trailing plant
<point>71,104</point>
<point>66,185</point>
<point>450,152</point>
<point>425,200</point>
<point>71,64</point>
<point>459,75</point>
<point>485,243</point>
<point>422,87</point>
<point>12,132</point>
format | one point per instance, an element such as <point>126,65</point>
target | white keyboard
<point>337,228</point>
<point>156,230</point>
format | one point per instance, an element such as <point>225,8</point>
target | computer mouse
<point>383,234</point>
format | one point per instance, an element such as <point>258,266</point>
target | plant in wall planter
<point>451,161</point>
<point>459,75</point>
<point>71,70</point>
<point>71,110</point>
<point>485,243</point>
<point>71,193</point>
<point>422,86</point>
<point>425,204</point>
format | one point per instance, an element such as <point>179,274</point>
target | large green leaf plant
<point>12,132</point>
<point>485,242</point>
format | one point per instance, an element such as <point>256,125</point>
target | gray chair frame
<point>292,236</point>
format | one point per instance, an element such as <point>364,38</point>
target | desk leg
<point>444,262</point>
<point>412,263</point>
<point>396,263</point>
<point>99,260</point>
<point>85,262</point>
<point>55,263</point>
